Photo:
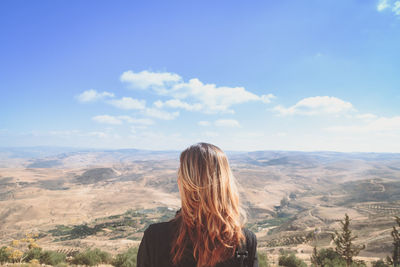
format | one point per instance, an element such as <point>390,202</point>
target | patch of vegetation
<point>32,254</point>
<point>294,239</point>
<point>262,260</point>
<point>267,223</point>
<point>4,255</point>
<point>330,258</point>
<point>370,191</point>
<point>380,263</point>
<point>126,259</point>
<point>44,164</point>
<point>95,175</point>
<point>117,226</point>
<point>27,250</point>
<point>92,257</point>
<point>53,258</point>
<point>6,180</point>
<point>290,260</point>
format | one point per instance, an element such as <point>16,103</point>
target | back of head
<point>210,217</point>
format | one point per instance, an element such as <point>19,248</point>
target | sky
<point>306,75</point>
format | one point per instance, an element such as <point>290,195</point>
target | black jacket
<point>155,248</point>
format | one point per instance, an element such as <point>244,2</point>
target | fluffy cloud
<point>396,8</point>
<point>146,79</point>
<point>227,123</point>
<point>379,125</point>
<point>267,98</point>
<point>213,98</point>
<point>115,120</point>
<point>176,103</point>
<point>366,116</point>
<point>107,119</point>
<point>203,123</point>
<point>142,121</point>
<point>198,96</point>
<point>316,105</point>
<point>382,5</point>
<point>387,4</point>
<point>92,95</point>
<point>98,134</point>
<point>128,103</point>
<point>161,114</point>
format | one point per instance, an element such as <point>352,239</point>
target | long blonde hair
<point>210,217</point>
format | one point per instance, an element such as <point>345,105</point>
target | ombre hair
<point>210,219</point>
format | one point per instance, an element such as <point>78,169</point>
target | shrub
<point>262,260</point>
<point>126,259</point>
<point>291,261</point>
<point>330,258</point>
<point>4,255</point>
<point>32,254</point>
<point>49,257</point>
<point>91,257</point>
<point>379,263</point>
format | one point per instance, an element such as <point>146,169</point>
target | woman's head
<point>210,216</point>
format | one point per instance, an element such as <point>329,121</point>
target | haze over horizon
<point>298,76</point>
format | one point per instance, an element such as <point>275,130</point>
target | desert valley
<point>76,199</point>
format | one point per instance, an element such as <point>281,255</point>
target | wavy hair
<point>210,219</point>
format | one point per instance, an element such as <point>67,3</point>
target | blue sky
<point>244,75</point>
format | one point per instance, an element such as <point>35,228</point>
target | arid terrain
<point>76,199</point>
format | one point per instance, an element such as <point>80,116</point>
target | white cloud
<point>198,96</point>
<point>382,124</point>
<point>128,103</point>
<point>107,119</point>
<point>161,114</point>
<point>214,99</point>
<point>92,95</point>
<point>366,116</point>
<point>382,5</point>
<point>64,133</point>
<point>146,79</point>
<point>267,98</point>
<point>98,134</point>
<point>141,121</point>
<point>396,8</point>
<point>227,123</point>
<point>176,103</point>
<point>204,123</point>
<point>386,4</point>
<point>317,105</point>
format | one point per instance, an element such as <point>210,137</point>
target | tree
<point>315,259</point>
<point>291,261</point>
<point>284,202</point>
<point>395,259</point>
<point>344,242</point>
<point>328,257</point>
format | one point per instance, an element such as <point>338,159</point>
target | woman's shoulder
<point>159,229</point>
<point>248,233</point>
<point>251,239</point>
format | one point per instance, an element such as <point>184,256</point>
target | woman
<point>208,230</point>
